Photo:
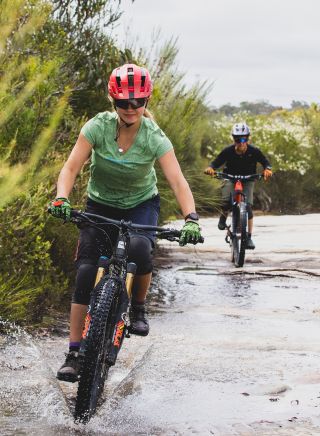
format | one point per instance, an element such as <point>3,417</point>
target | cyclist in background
<point>123,146</point>
<point>240,158</point>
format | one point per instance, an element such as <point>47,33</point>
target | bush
<point>29,282</point>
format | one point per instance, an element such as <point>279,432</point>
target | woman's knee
<point>86,274</point>
<point>140,252</point>
<point>249,211</point>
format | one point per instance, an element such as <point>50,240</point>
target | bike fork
<point>131,270</point>
<point>119,329</point>
<point>121,325</point>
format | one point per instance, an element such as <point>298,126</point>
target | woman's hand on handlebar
<point>210,171</point>
<point>190,233</point>
<point>60,208</point>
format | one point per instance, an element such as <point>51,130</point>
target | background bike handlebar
<point>249,177</point>
<point>162,232</point>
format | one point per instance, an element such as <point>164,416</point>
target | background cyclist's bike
<point>237,232</point>
<point>107,321</point>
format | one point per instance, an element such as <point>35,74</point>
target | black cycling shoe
<point>69,371</point>
<point>139,324</point>
<point>250,245</point>
<point>222,222</point>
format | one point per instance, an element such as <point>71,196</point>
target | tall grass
<point>17,21</point>
<point>24,279</point>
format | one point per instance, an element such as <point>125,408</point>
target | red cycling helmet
<point>130,81</point>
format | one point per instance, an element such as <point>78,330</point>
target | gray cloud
<point>252,49</point>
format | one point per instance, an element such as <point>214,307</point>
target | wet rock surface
<point>232,351</point>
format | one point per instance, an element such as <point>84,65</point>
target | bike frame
<point>118,270</point>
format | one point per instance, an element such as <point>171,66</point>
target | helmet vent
<point>143,77</point>
<point>118,79</point>
<point>130,77</point>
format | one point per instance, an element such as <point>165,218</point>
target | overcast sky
<point>250,49</point>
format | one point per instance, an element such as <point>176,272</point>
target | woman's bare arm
<point>78,156</point>
<point>172,171</point>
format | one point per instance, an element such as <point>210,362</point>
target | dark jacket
<point>243,164</point>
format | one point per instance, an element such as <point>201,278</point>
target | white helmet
<point>240,129</point>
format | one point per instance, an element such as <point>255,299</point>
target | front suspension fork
<point>121,324</point>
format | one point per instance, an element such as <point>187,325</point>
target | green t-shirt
<point>123,180</point>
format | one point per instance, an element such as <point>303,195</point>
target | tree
<point>297,104</point>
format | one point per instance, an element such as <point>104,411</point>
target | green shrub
<point>29,282</point>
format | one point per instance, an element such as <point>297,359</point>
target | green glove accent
<point>60,208</point>
<point>190,233</point>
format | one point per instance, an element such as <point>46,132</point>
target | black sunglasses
<point>240,139</point>
<point>135,103</point>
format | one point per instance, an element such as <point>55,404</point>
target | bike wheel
<point>94,368</point>
<point>239,233</point>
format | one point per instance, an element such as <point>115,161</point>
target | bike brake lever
<point>172,239</point>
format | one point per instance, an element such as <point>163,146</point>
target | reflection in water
<point>162,292</point>
<point>183,284</point>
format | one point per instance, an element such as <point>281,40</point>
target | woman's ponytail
<point>148,114</point>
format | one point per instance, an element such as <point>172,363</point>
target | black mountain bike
<point>237,232</point>
<point>107,321</point>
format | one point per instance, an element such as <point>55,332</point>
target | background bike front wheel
<point>239,239</point>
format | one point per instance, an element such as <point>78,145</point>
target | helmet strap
<point>120,126</point>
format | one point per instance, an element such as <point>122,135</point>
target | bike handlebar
<point>232,177</point>
<point>77,216</point>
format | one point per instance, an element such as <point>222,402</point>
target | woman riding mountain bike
<point>123,146</point>
<point>240,158</point>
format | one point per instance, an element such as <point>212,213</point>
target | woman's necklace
<point>121,148</point>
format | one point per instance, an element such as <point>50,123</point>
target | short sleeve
<point>89,131</point>
<point>164,145</point>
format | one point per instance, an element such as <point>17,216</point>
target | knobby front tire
<point>94,368</point>
<point>239,238</point>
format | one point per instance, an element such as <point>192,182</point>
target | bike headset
<point>127,82</point>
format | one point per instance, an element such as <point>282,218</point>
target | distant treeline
<point>260,107</point>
